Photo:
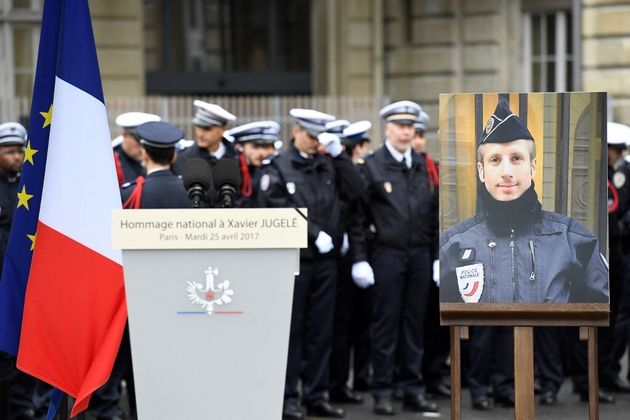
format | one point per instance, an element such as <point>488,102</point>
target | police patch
<point>619,179</point>
<point>291,187</point>
<point>388,187</point>
<point>264,182</point>
<point>470,282</point>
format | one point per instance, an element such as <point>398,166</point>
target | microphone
<point>227,181</point>
<point>197,177</point>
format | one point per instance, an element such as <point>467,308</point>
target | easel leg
<point>524,373</point>
<point>457,334</point>
<point>589,334</point>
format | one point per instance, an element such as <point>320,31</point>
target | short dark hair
<point>160,155</point>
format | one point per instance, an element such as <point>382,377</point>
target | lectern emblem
<point>210,294</point>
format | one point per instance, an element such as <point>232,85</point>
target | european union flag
<point>17,259</point>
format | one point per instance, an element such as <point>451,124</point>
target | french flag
<point>74,307</point>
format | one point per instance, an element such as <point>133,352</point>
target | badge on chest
<point>470,282</point>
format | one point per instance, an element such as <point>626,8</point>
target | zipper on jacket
<point>532,276</point>
<point>513,265</point>
<point>492,245</point>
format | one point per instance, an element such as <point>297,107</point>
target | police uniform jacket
<point>530,256</point>
<point>398,204</point>
<point>619,221</point>
<point>291,180</point>
<point>131,168</point>
<point>8,201</point>
<point>195,152</point>
<point>161,190</point>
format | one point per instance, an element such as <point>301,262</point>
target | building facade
<point>395,49</point>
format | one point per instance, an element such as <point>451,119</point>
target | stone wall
<point>119,35</point>
<point>606,52</point>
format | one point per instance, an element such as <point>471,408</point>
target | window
<point>548,51</point>
<point>20,23</point>
<point>227,46</point>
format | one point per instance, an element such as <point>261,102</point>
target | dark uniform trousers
<point>399,205</point>
<point>310,341</point>
<point>402,281</point>
<point>351,331</point>
<point>491,361</point>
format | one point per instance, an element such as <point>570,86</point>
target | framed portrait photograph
<point>523,205</point>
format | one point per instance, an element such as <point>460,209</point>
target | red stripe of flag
<point>61,335</point>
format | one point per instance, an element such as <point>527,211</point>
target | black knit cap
<point>504,126</point>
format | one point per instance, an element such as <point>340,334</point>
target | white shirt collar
<point>399,156</point>
<point>220,151</point>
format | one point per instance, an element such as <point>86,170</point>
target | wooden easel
<point>523,317</point>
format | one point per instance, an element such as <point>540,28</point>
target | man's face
<point>419,143</point>
<point>614,154</point>
<point>304,142</point>
<point>399,135</point>
<point>11,159</point>
<point>209,137</point>
<point>507,170</point>
<point>131,146</point>
<point>251,153</point>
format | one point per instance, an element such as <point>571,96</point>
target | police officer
<point>21,387</point>
<point>127,149</point>
<point>356,140</point>
<point>400,211</point>
<point>161,188</point>
<point>512,231</point>
<point>255,144</point>
<point>302,177</point>
<point>210,122</point>
<point>619,179</point>
<point>352,311</point>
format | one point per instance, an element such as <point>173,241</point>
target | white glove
<point>345,245</point>
<point>332,143</point>
<point>362,274</point>
<point>324,242</point>
<point>436,272</point>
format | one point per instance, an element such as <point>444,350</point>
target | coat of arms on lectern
<point>212,293</point>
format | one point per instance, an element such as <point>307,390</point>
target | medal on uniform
<point>388,187</point>
<point>619,179</point>
<point>291,187</point>
<point>470,282</point>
